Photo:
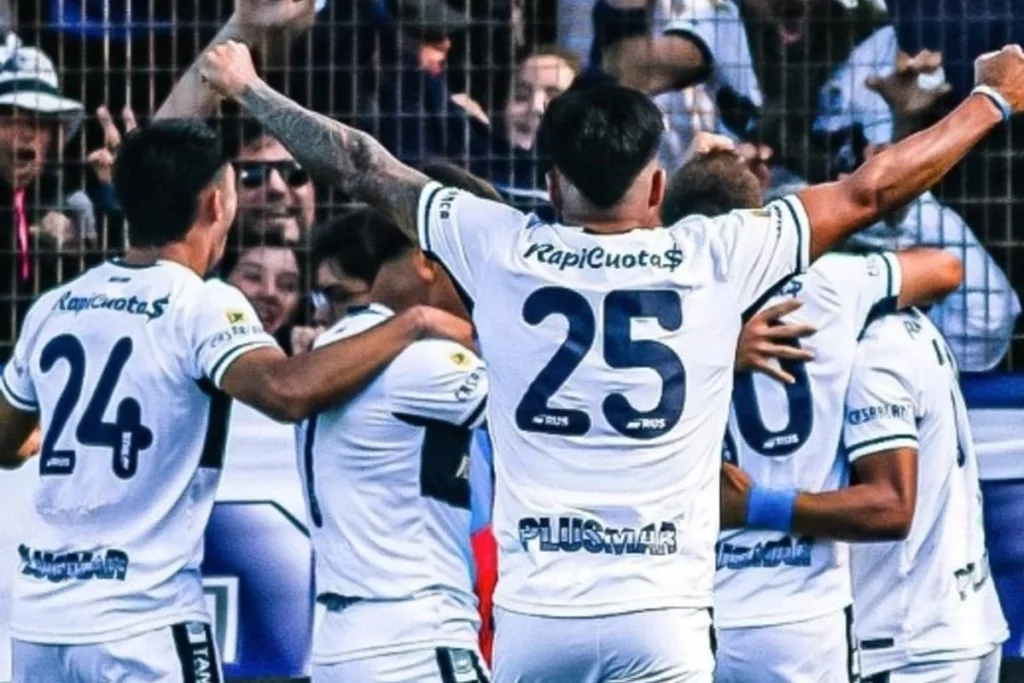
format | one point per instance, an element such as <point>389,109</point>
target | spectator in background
<point>275,195</point>
<point>267,271</point>
<point>977,319</point>
<point>791,75</point>
<point>545,74</point>
<point>43,220</point>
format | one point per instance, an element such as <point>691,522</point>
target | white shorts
<point>983,669</point>
<point>667,646</point>
<point>437,665</point>
<point>183,653</point>
<point>812,651</point>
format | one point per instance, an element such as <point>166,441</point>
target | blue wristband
<point>771,508</point>
<point>997,99</point>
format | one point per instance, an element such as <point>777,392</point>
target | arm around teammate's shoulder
<point>906,169</point>
<point>928,276</point>
<point>438,380</point>
<point>19,435</point>
<point>290,389</point>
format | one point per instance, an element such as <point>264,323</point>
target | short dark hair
<point>360,242</point>
<point>600,137</point>
<point>159,172</point>
<point>710,185</point>
<point>450,175</point>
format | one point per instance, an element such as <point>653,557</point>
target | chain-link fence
<point>806,84</point>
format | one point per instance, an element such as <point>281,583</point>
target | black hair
<point>159,173</point>
<point>710,185</point>
<point>600,136</point>
<point>360,242</point>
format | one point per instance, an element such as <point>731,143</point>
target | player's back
<point>788,436</point>
<point>929,595</point>
<point>611,363</point>
<point>387,490</point>
<point>132,444</point>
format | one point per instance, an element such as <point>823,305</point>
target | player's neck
<point>145,256</point>
<point>606,226</point>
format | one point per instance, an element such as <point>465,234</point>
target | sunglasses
<point>331,294</point>
<point>253,174</point>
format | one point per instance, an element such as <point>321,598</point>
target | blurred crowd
<point>808,89</point>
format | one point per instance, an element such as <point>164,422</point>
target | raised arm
<point>340,155</point>
<point>260,22</point>
<point>911,166</point>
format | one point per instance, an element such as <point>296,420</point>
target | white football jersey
<point>611,363</point>
<point>124,366</point>
<point>387,490</point>
<point>929,597</point>
<point>788,437</point>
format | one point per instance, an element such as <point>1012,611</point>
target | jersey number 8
<point>125,437</point>
<point>621,351</point>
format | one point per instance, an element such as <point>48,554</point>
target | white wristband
<point>997,99</point>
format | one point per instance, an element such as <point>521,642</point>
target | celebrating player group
<point>662,514</point>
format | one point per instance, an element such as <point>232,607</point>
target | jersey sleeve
<point>16,383</point>
<point>439,380</point>
<point>462,230</point>
<point>867,285</point>
<point>881,410</point>
<point>222,326</point>
<point>764,247</point>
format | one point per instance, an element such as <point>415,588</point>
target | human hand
<point>102,160</point>
<point>302,338</point>
<point>765,338</point>
<point>1003,71</point>
<point>228,68</point>
<point>735,489</point>
<point>433,322</point>
<point>31,446</point>
<point>705,143</point>
<point>904,91</point>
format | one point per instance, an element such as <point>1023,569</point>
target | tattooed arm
<point>340,155</point>
<point>345,157</point>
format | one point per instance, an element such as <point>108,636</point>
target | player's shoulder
<point>899,340</point>
<point>432,357</point>
<point>357,320</point>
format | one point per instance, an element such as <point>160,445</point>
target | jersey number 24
<point>125,437</point>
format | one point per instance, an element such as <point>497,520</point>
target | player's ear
<point>425,267</point>
<point>659,182</point>
<point>554,190</point>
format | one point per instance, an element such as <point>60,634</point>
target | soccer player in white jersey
<point>387,477</point>
<point>128,370</point>
<point>610,345</point>
<point>926,607</point>
<point>782,600</point>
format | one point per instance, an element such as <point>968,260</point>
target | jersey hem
<point>600,610</point>
<point>396,649</point>
<point>779,619</point>
<point>914,657</point>
<point>120,633</point>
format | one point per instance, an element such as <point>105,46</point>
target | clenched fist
<point>1004,72</point>
<point>228,69</point>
